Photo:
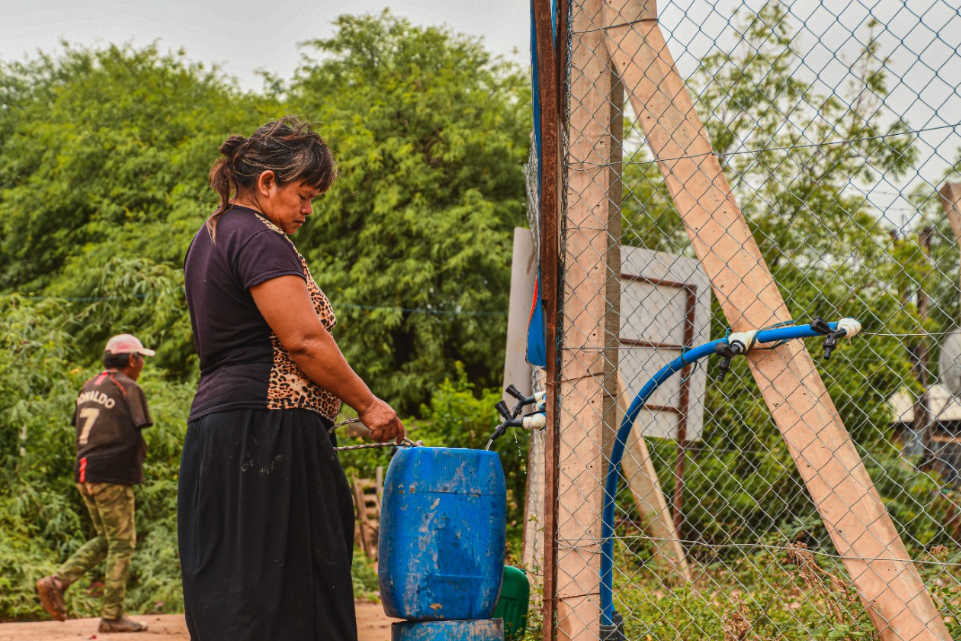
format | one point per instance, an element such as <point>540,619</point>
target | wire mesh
<point>790,500</point>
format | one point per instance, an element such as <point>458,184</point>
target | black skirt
<point>266,529</point>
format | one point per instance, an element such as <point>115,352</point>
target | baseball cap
<point>127,344</point>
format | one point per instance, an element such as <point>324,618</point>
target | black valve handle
<point>821,326</point>
<point>513,391</point>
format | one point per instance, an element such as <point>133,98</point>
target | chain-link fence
<point>733,166</point>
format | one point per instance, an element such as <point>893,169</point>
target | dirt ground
<point>372,625</point>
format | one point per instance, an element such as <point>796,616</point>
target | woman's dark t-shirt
<point>242,363</point>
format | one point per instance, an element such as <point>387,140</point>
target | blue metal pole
<point>620,443</point>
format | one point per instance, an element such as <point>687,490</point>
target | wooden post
<point>549,72</point>
<point>684,403</point>
<point>856,519</point>
<point>612,288</point>
<point>534,509</point>
<point>589,344</point>
<point>368,495</point>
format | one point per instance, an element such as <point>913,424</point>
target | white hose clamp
<point>746,339</point>
<point>850,326</point>
<point>535,422</point>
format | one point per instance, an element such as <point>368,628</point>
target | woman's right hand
<point>383,422</point>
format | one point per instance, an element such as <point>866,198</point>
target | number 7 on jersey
<point>89,416</point>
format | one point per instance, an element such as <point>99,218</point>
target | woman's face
<point>287,206</point>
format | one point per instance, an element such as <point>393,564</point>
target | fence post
<point>549,75</point>
<point>856,519</point>
<point>589,348</point>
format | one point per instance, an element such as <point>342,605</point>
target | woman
<point>265,514</point>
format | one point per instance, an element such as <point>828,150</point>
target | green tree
<point>104,156</point>
<point>431,134</point>
<point>830,252</point>
<point>103,164</point>
<point>104,153</point>
<point>42,519</point>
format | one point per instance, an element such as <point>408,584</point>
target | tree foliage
<point>105,158</point>
<point>104,155</point>
<point>431,134</point>
<point>832,255</point>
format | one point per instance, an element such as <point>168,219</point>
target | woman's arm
<point>286,306</point>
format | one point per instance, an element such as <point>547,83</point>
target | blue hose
<point>620,443</point>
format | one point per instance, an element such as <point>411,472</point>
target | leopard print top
<point>289,387</point>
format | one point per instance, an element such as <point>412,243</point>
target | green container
<point>513,603</point>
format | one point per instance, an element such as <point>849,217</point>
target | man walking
<point>111,410</point>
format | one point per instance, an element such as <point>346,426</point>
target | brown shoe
<point>51,596</point>
<point>123,624</point>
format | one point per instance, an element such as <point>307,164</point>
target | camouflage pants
<point>111,508</point>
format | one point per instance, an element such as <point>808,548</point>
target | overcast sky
<point>922,38</point>
<point>242,36</point>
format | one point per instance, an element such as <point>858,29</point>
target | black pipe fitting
<point>727,353</point>
<point>831,336</point>
<point>614,632</point>
<point>513,391</point>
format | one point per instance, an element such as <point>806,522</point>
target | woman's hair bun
<point>230,146</point>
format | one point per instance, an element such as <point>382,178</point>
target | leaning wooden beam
<point>638,468</point>
<point>951,202</point>
<point>585,384</point>
<point>856,519</point>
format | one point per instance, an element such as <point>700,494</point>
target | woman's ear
<point>266,183</point>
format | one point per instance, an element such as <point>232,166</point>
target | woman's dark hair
<point>116,361</point>
<point>289,147</point>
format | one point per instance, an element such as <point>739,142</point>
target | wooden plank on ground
<point>857,521</point>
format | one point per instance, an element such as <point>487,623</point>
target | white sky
<point>923,38</point>
<point>242,36</point>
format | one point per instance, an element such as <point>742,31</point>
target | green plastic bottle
<point>514,602</point>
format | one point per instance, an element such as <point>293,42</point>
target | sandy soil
<point>372,625</point>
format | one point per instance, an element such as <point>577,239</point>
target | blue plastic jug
<point>442,534</point>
